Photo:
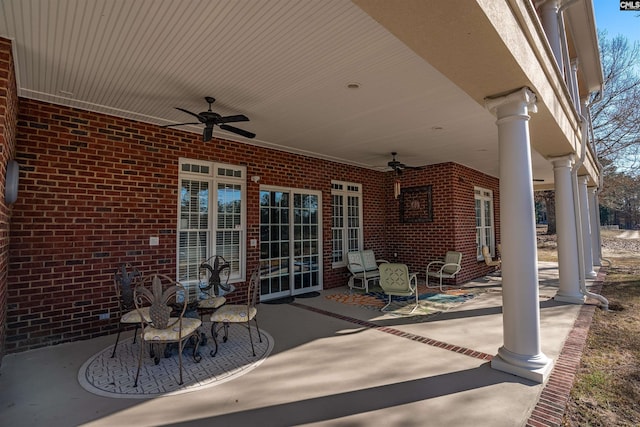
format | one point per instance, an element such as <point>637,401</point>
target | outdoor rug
<point>114,377</point>
<point>430,301</point>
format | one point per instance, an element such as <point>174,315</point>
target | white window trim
<point>213,179</point>
<point>484,194</point>
<point>346,192</point>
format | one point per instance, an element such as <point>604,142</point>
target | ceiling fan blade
<point>180,124</point>
<point>207,133</point>
<point>198,116</point>
<point>231,119</point>
<point>241,132</point>
<point>415,168</point>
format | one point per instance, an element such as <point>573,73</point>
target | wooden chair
<point>166,300</point>
<point>396,280</point>
<point>444,269</point>
<point>238,313</point>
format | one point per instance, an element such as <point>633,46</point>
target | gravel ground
<point>614,242</point>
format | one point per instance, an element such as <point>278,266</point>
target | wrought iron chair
<point>238,314</point>
<point>164,297</point>
<point>125,279</point>
<point>396,280</point>
<point>444,269</point>
<point>210,298</point>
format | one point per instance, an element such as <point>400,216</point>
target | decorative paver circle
<point>114,377</point>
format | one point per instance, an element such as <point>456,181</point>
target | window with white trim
<point>484,221</point>
<point>211,217</point>
<point>346,221</point>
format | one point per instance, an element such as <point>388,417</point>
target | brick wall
<point>8,117</point>
<point>453,225</point>
<point>95,188</point>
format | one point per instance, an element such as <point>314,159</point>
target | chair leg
<point>117,339</point>
<point>214,335</point>
<point>388,304</point>
<point>135,384</point>
<point>180,346</point>
<point>255,319</point>
<point>196,356</point>
<point>253,350</point>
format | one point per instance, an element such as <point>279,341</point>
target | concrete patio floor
<point>332,364</point>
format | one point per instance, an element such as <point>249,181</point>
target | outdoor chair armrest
<point>438,264</point>
<point>457,266</point>
<point>380,261</point>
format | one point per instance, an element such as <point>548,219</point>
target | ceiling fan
<point>211,119</point>
<point>398,167</point>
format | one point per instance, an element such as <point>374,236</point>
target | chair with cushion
<point>395,280</point>
<point>444,269</point>
<point>166,300</point>
<point>238,313</point>
<point>125,279</point>
<point>211,284</point>
<point>363,267</point>
<point>488,259</point>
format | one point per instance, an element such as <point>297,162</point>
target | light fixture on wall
<point>11,182</point>
<point>396,187</point>
<point>255,178</point>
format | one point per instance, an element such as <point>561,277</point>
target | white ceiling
<point>285,64</point>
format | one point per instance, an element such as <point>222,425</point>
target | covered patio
<point>361,124</point>
<point>333,364</point>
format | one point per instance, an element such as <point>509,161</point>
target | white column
<point>585,221</point>
<point>568,264</point>
<point>521,353</point>
<point>595,226</point>
<point>549,18</point>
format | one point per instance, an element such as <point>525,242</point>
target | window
<point>346,226</point>
<point>211,217</point>
<point>484,221</point>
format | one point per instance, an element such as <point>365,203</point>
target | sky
<point>617,22</point>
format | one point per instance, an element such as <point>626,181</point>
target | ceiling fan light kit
<point>210,119</point>
<point>398,167</point>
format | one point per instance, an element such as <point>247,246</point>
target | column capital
<point>521,96</point>
<point>583,179</point>
<point>562,161</point>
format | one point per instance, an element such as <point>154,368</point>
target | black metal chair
<point>125,279</point>
<point>166,302</point>
<point>244,313</point>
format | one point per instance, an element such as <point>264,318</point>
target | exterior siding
<point>95,188</point>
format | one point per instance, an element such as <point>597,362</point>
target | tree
<point>616,111</point>
<point>616,128</point>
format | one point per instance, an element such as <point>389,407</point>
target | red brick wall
<point>95,188</point>
<point>453,225</point>
<point>8,117</point>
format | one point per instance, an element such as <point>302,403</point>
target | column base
<point>571,299</point>
<point>591,274</point>
<point>535,368</point>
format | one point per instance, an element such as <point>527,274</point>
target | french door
<point>290,242</point>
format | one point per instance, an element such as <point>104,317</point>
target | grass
<point>606,389</point>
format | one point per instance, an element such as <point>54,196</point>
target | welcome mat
<point>114,377</point>
<point>430,302</point>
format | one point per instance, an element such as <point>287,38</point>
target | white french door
<point>290,242</point>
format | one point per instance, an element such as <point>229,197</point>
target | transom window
<point>346,228</point>
<point>485,235</point>
<point>211,217</point>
